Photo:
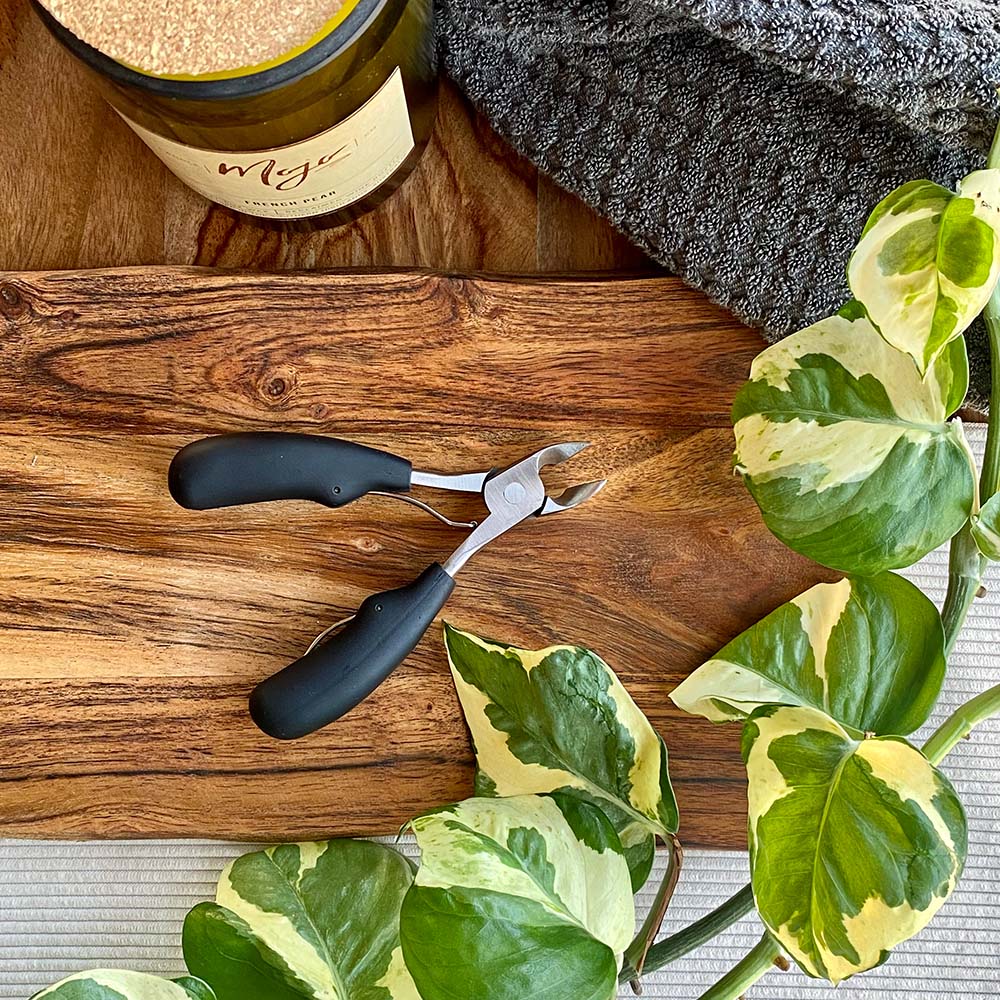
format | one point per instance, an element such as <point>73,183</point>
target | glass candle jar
<point>316,136</point>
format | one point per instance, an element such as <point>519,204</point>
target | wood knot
<point>368,544</point>
<point>278,386</point>
<point>12,303</point>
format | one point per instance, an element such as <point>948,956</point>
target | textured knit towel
<point>742,143</point>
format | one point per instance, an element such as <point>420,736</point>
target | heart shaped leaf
<point>304,921</point>
<point>115,984</point>
<point>868,651</point>
<point>928,261</point>
<point>557,719</point>
<point>848,452</point>
<point>854,844</point>
<point>518,897</point>
<point>986,528</point>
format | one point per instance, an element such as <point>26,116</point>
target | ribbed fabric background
<point>65,907</point>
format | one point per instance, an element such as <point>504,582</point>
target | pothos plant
<point>844,439</point>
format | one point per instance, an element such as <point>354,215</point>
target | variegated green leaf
<point>116,984</point>
<point>518,897</point>
<point>928,261</point>
<point>854,843</point>
<point>868,651</point>
<point>848,452</point>
<point>304,922</point>
<point>986,528</point>
<point>559,718</point>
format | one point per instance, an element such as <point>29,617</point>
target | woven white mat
<point>67,906</point>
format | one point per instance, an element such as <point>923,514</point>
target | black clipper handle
<point>232,469</point>
<point>328,682</point>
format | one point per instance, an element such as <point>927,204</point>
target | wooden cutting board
<point>131,631</point>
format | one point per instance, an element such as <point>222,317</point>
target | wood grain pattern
<point>131,631</point>
<point>573,237</point>
<point>80,190</point>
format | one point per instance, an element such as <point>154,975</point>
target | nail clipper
<point>353,657</point>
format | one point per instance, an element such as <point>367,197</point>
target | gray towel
<point>742,143</point>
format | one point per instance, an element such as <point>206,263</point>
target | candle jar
<point>311,137</point>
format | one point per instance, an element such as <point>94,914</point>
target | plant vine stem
<point>635,954</point>
<point>965,564</point>
<point>755,965</point>
<point>670,949</point>
<point>990,480</point>
<point>965,571</point>
<point>960,723</point>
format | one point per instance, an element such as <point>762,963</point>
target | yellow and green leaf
<point>855,843</point>
<point>867,651</point>
<point>558,719</point>
<point>316,921</point>
<point>517,897</point>
<point>117,984</point>
<point>928,261</point>
<point>986,528</point>
<point>849,452</point>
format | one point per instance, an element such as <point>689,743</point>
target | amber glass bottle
<point>315,138</point>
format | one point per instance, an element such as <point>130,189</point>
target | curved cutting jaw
<point>516,493</point>
<point>571,497</point>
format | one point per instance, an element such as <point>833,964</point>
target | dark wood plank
<point>131,631</point>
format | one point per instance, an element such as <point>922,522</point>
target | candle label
<point>313,177</point>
